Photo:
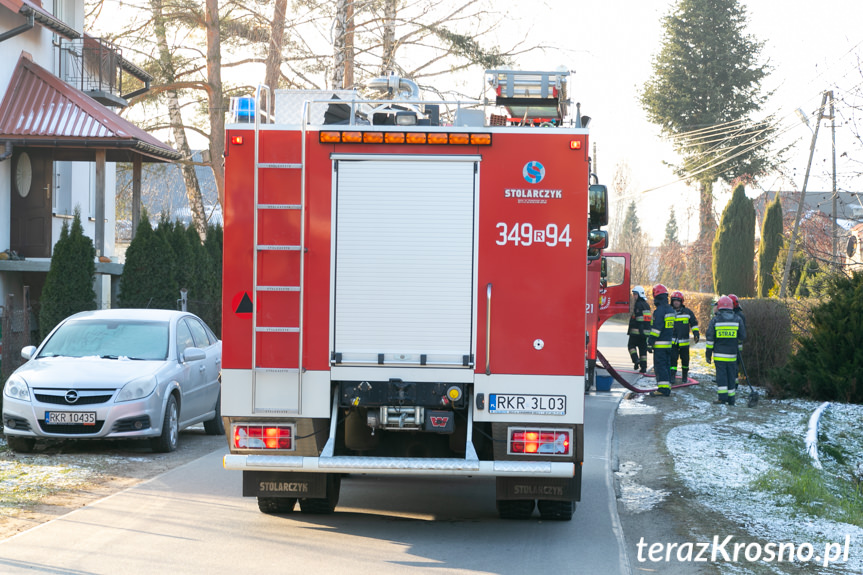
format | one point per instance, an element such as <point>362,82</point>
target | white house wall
<point>38,42</point>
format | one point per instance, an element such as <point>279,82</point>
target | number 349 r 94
<point>526,235</point>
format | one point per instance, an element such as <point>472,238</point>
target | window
<point>199,333</point>
<point>184,338</point>
<point>109,338</point>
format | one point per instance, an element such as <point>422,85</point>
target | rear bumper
<point>400,466</point>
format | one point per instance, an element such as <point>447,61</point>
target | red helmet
<point>677,295</point>
<point>725,302</point>
<point>658,290</point>
<point>734,300</point>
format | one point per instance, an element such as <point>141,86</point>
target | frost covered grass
<point>28,480</point>
<point>750,466</point>
<point>814,491</point>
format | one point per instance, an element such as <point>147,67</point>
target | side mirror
<point>28,351</point>
<point>598,202</point>
<point>597,240</point>
<point>194,354</point>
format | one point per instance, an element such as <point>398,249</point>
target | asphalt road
<point>193,520</point>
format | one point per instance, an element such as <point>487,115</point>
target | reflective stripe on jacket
<point>684,318</point>
<point>724,333</point>
<point>662,334</point>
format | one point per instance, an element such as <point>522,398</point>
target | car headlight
<point>137,388</point>
<point>16,388</point>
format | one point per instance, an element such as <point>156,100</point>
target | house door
<point>31,203</point>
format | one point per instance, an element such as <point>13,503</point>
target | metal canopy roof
<point>40,110</point>
<point>42,16</point>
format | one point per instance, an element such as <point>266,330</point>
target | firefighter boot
<point>643,365</point>
<point>673,373</point>
<point>684,375</point>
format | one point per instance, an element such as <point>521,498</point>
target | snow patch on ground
<point>718,451</point>
<point>635,497</point>
<point>635,406</point>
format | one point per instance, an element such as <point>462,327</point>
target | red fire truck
<point>404,291</point>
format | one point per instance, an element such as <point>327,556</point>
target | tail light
<point>539,441</point>
<point>263,437</point>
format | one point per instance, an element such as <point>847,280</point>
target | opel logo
<point>71,396</point>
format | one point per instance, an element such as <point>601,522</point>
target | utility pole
<point>834,259</point>
<point>800,205</point>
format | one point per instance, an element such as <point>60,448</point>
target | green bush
<point>148,275</point>
<point>701,305</point>
<point>69,284</point>
<point>828,365</point>
<point>768,339</point>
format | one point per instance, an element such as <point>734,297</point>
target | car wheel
<point>271,505</point>
<point>167,442</point>
<point>324,505</point>
<point>515,508</point>
<point>589,374</point>
<point>556,510</point>
<point>20,444</point>
<point>215,426</point>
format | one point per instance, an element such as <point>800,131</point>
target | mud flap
<point>281,484</point>
<point>549,489</point>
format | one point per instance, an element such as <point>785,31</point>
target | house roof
<point>42,16</point>
<point>40,110</point>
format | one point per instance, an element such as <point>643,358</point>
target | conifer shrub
<point>148,276</point>
<point>69,284</point>
<point>828,364</point>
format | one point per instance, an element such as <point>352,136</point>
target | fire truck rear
<point>404,291</point>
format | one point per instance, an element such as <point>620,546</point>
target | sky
<point>812,46</point>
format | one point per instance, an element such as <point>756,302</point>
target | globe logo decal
<point>533,172</point>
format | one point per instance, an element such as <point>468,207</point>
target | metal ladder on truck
<point>299,249</point>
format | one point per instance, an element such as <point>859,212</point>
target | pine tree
<point>734,247</point>
<point>633,241</point>
<point>704,94</point>
<point>772,239</point>
<point>69,284</point>
<point>827,365</point>
<point>148,275</point>
<point>671,261</point>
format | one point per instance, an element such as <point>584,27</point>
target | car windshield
<point>112,339</point>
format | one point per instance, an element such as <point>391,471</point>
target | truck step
<point>277,248</point>
<point>278,329</point>
<point>278,288</point>
<point>279,206</point>
<point>281,166</point>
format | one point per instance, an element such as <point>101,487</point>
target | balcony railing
<point>96,67</point>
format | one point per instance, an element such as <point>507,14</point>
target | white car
<point>119,374</point>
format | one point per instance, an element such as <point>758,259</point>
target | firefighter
<point>660,340</point>
<point>739,313</point>
<point>725,332</point>
<point>684,320</point>
<point>639,328</point>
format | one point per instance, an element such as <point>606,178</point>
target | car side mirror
<point>28,351</point>
<point>194,354</point>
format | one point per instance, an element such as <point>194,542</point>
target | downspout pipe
<point>31,21</point>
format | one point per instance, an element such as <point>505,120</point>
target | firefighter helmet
<point>658,290</point>
<point>725,302</point>
<point>677,296</point>
<point>639,290</point>
<point>734,300</point>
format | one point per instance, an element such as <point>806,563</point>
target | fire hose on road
<point>622,381</point>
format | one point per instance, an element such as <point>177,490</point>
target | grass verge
<point>833,496</point>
